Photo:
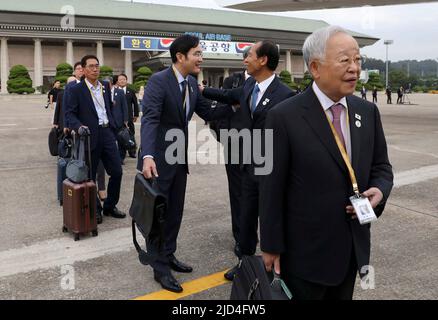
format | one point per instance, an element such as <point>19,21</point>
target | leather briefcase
<point>148,209</point>
<point>253,282</point>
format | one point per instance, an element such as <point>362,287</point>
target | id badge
<point>363,208</point>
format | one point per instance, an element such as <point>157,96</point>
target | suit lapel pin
<point>358,117</point>
<point>358,124</point>
<point>266,101</point>
<point>191,89</point>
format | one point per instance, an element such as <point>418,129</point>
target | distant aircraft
<point>297,5</point>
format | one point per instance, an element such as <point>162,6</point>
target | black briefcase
<point>253,282</point>
<point>148,209</point>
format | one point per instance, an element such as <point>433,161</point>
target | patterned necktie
<point>336,112</point>
<point>254,96</point>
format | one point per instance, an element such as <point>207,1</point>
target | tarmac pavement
<point>38,261</point>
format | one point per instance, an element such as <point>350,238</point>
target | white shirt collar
<point>247,75</point>
<point>97,87</point>
<point>179,75</point>
<point>265,84</point>
<point>325,101</point>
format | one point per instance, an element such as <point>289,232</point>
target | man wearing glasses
<point>89,107</point>
<point>329,157</point>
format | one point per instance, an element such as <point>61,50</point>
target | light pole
<point>387,43</point>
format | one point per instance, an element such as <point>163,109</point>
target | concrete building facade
<point>41,34</point>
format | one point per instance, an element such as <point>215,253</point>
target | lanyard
<point>187,88</point>
<point>95,99</point>
<point>344,154</point>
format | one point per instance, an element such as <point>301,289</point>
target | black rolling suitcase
<point>253,282</point>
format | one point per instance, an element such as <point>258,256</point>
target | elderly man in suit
<point>258,94</point>
<point>170,99</point>
<point>89,106</point>
<point>309,230</point>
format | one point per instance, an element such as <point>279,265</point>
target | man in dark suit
<point>233,168</point>
<point>119,111</point>
<point>132,102</point>
<point>307,223</point>
<point>89,106</point>
<point>170,99</point>
<point>78,73</point>
<point>258,94</point>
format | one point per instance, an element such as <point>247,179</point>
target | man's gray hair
<point>315,44</point>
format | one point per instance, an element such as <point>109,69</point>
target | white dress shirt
<point>263,86</point>
<point>99,101</point>
<point>326,103</point>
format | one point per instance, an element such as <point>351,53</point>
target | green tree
<point>105,71</point>
<point>142,77</point>
<point>63,71</point>
<point>19,80</point>
<point>374,80</point>
<point>286,78</point>
<point>397,79</point>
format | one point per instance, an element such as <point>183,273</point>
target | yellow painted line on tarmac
<point>190,288</point>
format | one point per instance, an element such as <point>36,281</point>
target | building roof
<point>166,13</point>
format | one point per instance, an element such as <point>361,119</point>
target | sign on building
<point>163,44</point>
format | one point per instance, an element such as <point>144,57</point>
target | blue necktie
<point>254,96</point>
<point>183,93</point>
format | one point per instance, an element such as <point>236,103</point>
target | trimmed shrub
<point>286,78</point>
<point>142,77</point>
<point>19,80</point>
<point>63,71</point>
<point>105,71</point>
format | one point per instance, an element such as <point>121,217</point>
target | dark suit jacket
<point>80,110</point>
<point>303,200</point>
<point>58,117</point>
<point>119,108</point>
<point>275,93</point>
<point>66,99</point>
<point>131,100</point>
<point>163,111</point>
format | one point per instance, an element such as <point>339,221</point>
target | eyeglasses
<point>93,66</point>
<point>198,54</point>
<point>345,61</point>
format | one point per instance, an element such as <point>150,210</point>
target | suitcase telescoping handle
<point>85,132</point>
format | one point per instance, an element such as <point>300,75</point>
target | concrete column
<point>128,65</point>
<point>99,52</point>
<point>69,53</point>
<point>226,73</point>
<point>37,64</point>
<point>4,65</point>
<point>289,61</point>
<point>201,76</point>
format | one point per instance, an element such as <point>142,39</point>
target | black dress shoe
<point>230,274</point>
<point>178,266</point>
<point>99,218</point>
<point>168,282</point>
<point>115,213</point>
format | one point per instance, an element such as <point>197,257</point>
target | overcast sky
<point>414,27</point>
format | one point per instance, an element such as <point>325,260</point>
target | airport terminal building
<point>41,34</point>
